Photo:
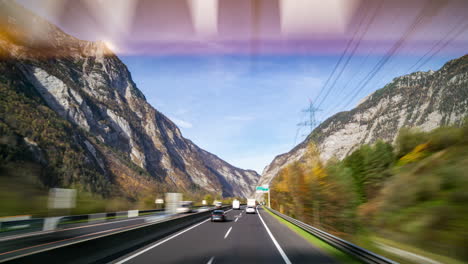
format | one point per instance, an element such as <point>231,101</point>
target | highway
<point>18,245</point>
<point>243,238</point>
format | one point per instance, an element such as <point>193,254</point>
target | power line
<point>463,28</point>
<point>391,52</point>
<point>353,51</point>
<point>335,68</point>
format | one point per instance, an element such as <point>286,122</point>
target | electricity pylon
<point>312,122</point>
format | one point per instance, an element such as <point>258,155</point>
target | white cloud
<point>181,123</point>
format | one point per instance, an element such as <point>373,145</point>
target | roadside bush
<point>408,139</point>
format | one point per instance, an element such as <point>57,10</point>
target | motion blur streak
<point>233,27</point>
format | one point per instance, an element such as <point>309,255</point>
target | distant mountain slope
<point>422,99</point>
<point>106,124</point>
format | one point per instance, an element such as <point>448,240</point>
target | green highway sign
<point>262,189</point>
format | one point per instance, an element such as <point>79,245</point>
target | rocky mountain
<point>74,104</point>
<point>424,100</point>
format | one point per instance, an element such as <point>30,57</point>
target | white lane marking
<point>66,229</point>
<point>161,242</point>
<point>237,218</point>
<point>285,258</point>
<point>227,234</point>
<point>210,261</point>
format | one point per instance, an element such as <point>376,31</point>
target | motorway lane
<point>28,243</point>
<point>298,249</point>
<point>247,242</point>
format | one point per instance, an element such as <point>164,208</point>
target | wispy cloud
<point>240,118</point>
<point>181,123</point>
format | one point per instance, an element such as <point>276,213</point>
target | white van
<point>236,205</point>
<point>251,202</point>
<point>185,207</point>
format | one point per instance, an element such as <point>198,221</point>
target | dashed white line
<point>163,241</point>
<point>227,233</point>
<point>159,243</point>
<point>285,258</point>
<point>237,218</point>
<point>210,261</point>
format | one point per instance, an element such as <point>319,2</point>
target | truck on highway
<point>251,203</point>
<point>218,204</point>
<point>236,205</point>
<point>185,207</point>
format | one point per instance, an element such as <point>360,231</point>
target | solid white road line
<point>66,229</point>
<point>227,233</point>
<point>285,258</point>
<point>161,242</point>
<point>210,261</point>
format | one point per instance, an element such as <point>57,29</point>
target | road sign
<point>262,189</point>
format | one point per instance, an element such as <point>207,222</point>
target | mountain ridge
<point>425,100</point>
<point>90,87</point>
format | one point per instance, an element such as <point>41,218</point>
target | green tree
<point>209,199</point>
<point>408,139</point>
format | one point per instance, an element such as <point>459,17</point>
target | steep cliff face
<point>422,99</point>
<point>85,84</point>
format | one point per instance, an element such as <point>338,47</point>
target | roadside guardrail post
<point>50,223</point>
<point>132,213</point>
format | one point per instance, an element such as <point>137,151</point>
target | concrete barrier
<point>96,218</point>
<point>108,247</point>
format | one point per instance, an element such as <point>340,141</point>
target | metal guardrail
<point>36,224</point>
<point>110,246</point>
<point>343,245</point>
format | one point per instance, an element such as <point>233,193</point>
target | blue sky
<point>192,62</point>
<point>245,108</point>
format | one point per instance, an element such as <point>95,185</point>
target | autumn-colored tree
<point>209,199</point>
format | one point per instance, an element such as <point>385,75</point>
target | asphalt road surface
<point>18,245</point>
<point>243,238</point>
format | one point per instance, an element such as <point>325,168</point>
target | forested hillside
<point>425,100</point>
<point>71,116</point>
<point>413,192</point>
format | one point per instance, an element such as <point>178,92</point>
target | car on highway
<point>250,210</point>
<point>204,209</point>
<point>218,215</point>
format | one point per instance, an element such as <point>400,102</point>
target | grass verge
<point>414,250</point>
<point>330,250</point>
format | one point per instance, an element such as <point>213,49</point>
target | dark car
<point>218,215</point>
